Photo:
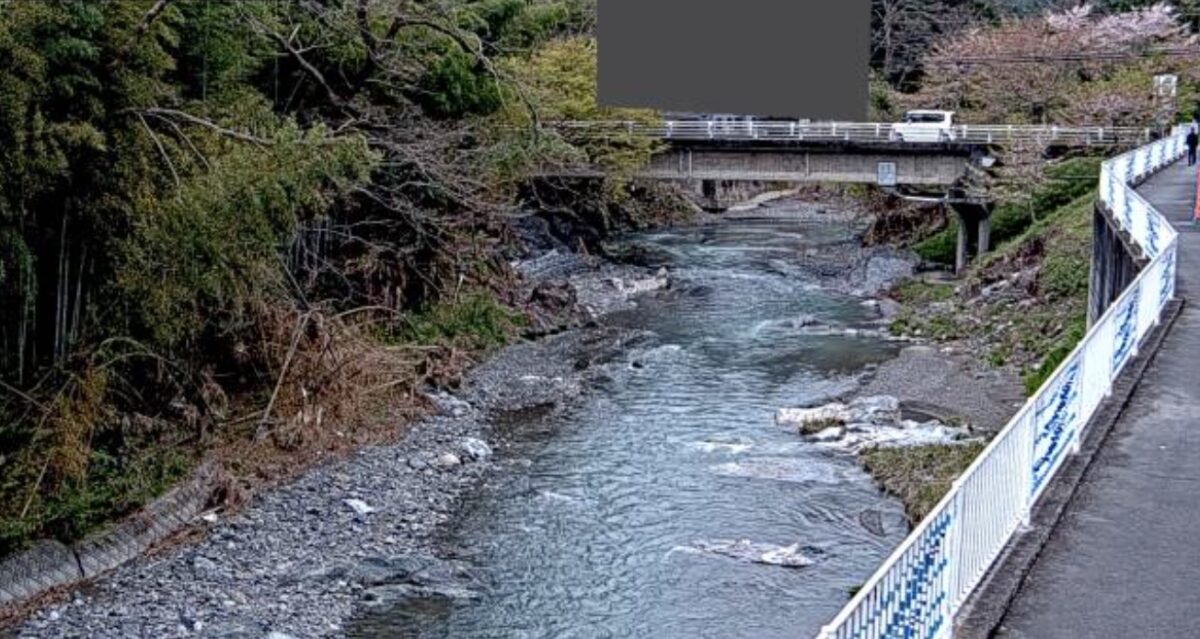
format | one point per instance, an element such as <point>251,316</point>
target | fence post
<point>1028,438</point>
<point>955,550</point>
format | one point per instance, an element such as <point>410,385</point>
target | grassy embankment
<point>1023,306</point>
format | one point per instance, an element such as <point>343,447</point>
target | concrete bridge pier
<point>708,191</point>
<point>974,221</point>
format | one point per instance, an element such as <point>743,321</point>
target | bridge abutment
<point>974,227</point>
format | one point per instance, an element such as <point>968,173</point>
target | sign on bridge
<point>886,174</point>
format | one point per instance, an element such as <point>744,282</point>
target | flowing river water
<point>669,504</point>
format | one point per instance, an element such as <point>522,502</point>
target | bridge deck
<point>1124,560</point>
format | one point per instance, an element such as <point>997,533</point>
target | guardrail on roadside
<point>789,131</point>
<point>921,587</point>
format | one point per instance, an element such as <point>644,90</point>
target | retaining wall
<point>50,564</point>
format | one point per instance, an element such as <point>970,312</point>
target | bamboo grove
<point>201,201</point>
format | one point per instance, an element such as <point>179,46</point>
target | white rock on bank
<point>359,506</point>
<point>476,449</point>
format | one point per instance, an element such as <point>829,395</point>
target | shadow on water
<point>669,504</point>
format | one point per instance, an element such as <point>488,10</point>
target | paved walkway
<point>1124,562</point>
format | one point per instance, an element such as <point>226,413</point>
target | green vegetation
<point>216,216</point>
<point>1061,184</point>
<point>919,475</point>
<point>1023,305</point>
<point>475,320</point>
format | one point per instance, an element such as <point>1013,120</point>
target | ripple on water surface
<point>670,504</point>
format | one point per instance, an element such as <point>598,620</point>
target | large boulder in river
<point>881,409</point>
<point>867,422</point>
<point>808,420</point>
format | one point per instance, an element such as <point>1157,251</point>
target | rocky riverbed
<point>303,559</point>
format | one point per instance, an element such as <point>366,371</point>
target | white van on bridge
<point>925,126</point>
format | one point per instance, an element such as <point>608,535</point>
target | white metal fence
<point>787,131</point>
<point>922,585</point>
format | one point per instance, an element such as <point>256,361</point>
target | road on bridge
<point>1124,561</point>
<point>779,132</point>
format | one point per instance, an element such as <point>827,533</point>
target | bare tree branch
<point>188,117</point>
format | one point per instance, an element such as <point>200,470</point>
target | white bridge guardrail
<point>789,131</point>
<point>918,591</point>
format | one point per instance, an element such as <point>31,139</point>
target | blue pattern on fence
<point>1152,237</point>
<point>1055,424</point>
<point>920,594</point>
<point>1167,286</point>
<point>1126,330</point>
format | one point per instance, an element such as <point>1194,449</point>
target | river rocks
<point>806,418</point>
<point>883,270</point>
<point>553,264</point>
<point>882,409</point>
<point>359,506</point>
<point>867,422</point>
<point>448,404</point>
<point>555,296</point>
<point>475,449</point>
<point>203,564</point>
<point>391,582</point>
<point>294,560</point>
<point>615,287</point>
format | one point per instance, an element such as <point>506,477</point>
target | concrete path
<point>1124,562</point>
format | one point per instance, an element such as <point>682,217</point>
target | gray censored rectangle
<point>769,58</point>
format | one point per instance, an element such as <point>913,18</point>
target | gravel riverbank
<point>300,558</point>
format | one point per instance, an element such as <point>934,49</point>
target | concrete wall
<point>1115,263</point>
<point>49,564</point>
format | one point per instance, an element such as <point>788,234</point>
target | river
<point>669,504</point>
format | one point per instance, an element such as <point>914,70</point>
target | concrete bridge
<point>715,154</point>
<point>1077,519</point>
